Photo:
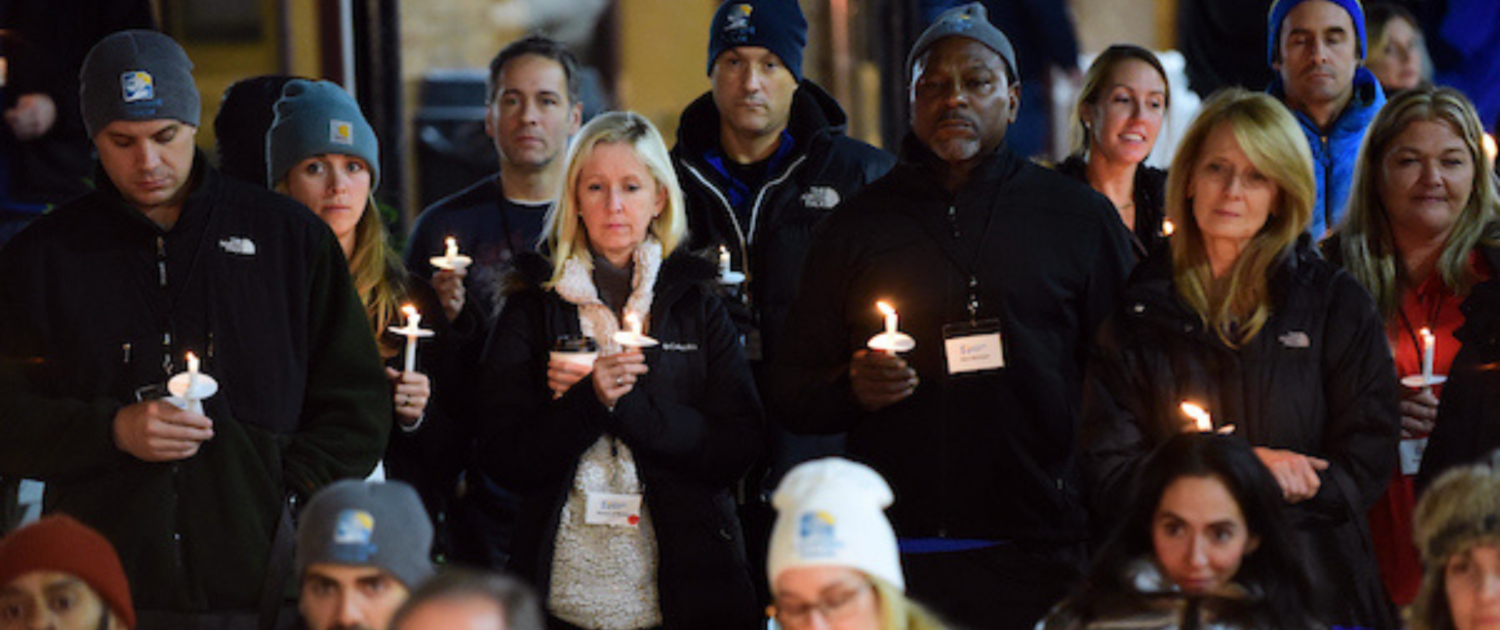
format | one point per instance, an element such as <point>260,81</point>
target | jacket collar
<point>1000,165</point>
<point>1363,105</point>
<point>202,182</point>
<point>814,114</point>
<point>681,270</point>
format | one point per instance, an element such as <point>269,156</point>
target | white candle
<point>890,317</point>
<point>452,250</point>
<point>192,364</point>
<point>1429,349</point>
<point>413,318</point>
<point>723,261</point>
<point>634,322</point>
<point>1205,422</point>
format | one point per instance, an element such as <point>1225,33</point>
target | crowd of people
<point>771,370</point>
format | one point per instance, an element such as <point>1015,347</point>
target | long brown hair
<point>1238,305</point>
<point>1366,243</point>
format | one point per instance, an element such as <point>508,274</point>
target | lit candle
<point>1167,228</point>
<point>1429,349</point>
<point>451,259</point>
<point>634,336</point>
<point>723,261</point>
<point>891,340</point>
<point>1489,148</point>
<point>890,317</point>
<point>413,318</point>
<point>192,384</point>
<point>1205,422</point>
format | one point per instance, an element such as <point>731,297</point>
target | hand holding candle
<point>412,331</point>
<point>892,340</point>
<point>451,259</point>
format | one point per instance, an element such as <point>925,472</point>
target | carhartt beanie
<point>59,544</point>
<point>137,75</point>
<point>775,25</point>
<point>358,523</point>
<point>1281,8</point>
<point>973,22</point>
<point>831,512</point>
<point>318,118</point>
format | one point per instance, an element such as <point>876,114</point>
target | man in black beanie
<point>167,263</point>
<point>763,158</point>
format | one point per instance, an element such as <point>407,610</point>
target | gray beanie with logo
<point>973,22</point>
<point>137,75</point>
<point>358,523</point>
<point>318,118</point>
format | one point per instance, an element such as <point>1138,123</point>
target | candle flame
<point>1425,333</point>
<point>633,321</point>
<point>1167,228</point>
<point>1489,148</point>
<point>452,247</point>
<point>1199,415</point>
<point>885,309</point>
<point>411,311</point>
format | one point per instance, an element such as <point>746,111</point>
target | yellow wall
<point>663,57</point>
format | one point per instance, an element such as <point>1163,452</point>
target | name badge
<point>973,348</point>
<point>614,510</point>
<point>1411,455</point>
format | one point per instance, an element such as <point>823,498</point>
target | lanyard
<point>949,247</point>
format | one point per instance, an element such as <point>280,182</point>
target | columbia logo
<point>1295,339</point>
<point>238,245</point>
<point>679,347</point>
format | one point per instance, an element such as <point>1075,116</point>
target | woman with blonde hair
<point>624,459</point>
<point>1120,111</point>
<point>833,560</point>
<point>1243,318</point>
<point>1421,235</point>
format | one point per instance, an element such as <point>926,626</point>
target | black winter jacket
<point>824,168</point>
<point>1317,380</point>
<point>1468,422</point>
<point>986,456</point>
<point>694,423</point>
<point>97,302</point>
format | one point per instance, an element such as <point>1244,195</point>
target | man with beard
<point>1316,48</point>
<point>1001,271</point>
<point>361,549</point>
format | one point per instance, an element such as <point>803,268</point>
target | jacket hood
<point>814,114</point>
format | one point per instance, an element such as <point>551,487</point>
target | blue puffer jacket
<point>1335,153</point>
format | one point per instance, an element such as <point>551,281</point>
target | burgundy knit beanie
<point>60,544</point>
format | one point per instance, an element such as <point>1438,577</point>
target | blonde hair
<point>897,612</point>
<point>1366,243</point>
<point>1378,19</point>
<point>1459,511</point>
<point>1238,305</point>
<point>563,234</point>
<point>1093,87</point>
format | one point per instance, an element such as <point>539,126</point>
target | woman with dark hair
<point>1421,234</point>
<point>1120,111</point>
<point>1205,537</point>
<point>660,434</point>
<point>1242,316</point>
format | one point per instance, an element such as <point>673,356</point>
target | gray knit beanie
<point>318,118</point>
<point>973,22</point>
<point>352,522</point>
<point>137,75</point>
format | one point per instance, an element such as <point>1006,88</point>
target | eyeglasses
<point>834,607</point>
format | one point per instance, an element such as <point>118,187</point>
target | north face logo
<point>821,197</point>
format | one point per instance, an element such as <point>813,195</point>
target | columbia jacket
<point>694,424</point>
<point>98,306</point>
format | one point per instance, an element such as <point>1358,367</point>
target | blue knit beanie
<point>137,75</point>
<point>775,25</point>
<point>1283,7</point>
<point>318,118</point>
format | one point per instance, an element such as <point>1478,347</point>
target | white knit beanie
<point>831,512</point>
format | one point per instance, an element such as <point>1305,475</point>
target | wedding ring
<point>619,380</point>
